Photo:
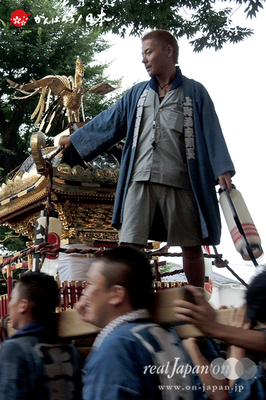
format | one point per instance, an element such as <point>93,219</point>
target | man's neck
<point>165,80</point>
<point>118,312</point>
<point>23,321</point>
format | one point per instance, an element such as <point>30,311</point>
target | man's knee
<point>192,252</point>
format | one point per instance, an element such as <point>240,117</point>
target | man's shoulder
<point>139,333</point>
<point>19,351</point>
<point>122,345</point>
<point>140,85</point>
<point>130,327</point>
<point>24,342</point>
<point>19,342</point>
<point>191,82</point>
<point>194,88</point>
<point>125,335</point>
<point>137,89</point>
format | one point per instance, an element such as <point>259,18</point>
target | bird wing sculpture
<point>69,93</point>
<point>54,82</point>
<point>104,88</point>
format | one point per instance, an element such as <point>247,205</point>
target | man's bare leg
<point>193,265</point>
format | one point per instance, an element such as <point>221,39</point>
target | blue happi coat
<point>121,368</point>
<point>207,153</point>
<point>34,366</point>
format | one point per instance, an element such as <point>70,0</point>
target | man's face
<point>155,59</point>
<point>96,296</point>
<point>14,307</point>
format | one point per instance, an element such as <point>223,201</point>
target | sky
<point>235,79</point>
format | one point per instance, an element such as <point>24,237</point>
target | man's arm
<point>205,376</point>
<point>203,316</point>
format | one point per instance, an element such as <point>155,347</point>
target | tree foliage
<point>37,50</point>
<point>206,23</point>
<point>31,52</point>
<point>10,241</point>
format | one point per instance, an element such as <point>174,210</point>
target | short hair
<point>42,291</point>
<point>256,299</point>
<point>129,267</point>
<point>164,38</point>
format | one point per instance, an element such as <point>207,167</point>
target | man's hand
<point>225,181</point>
<point>65,143</point>
<point>201,314</point>
<point>239,318</point>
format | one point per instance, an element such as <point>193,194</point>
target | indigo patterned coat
<point>207,153</point>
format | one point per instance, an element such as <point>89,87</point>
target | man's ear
<point>118,295</point>
<point>23,306</point>
<point>170,50</point>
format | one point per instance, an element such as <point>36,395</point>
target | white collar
<point>122,319</point>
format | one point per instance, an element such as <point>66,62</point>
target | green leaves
<point>11,240</point>
<point>253,7</point>
<point>207,23</point>
<point>47,45</point>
